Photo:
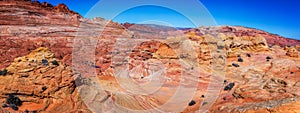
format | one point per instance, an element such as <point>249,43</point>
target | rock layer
<point>41,84</point>
<point>34,35</point>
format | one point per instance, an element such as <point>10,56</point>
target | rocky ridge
<point>265,72</point>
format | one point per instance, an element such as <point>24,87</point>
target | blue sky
<point>276,16</point>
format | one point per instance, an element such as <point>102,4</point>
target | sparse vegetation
<point>268,58</point>
<point>54,62</point>
<point>45,62</point>
<point>235,65</point>
<point>3,72</point>
<point>192,103</point>
<point>240,59</point>
<point>229,86</point>
<point>225,81</point>
<point>44,88</point>
<point>96,66</point>
<point>26,111</point>
<point>11,99</point>
<point>13,102</point>
<point>4,106</point>
<point>248,55</point>
<point>204,103</point>
<point>14,107</point>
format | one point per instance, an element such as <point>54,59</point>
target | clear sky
<point>275,16</point>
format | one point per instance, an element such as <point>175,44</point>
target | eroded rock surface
<point>42,83</point>
<point>38,44</point>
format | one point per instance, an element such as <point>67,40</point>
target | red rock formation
<point>238,31</point>
<point>292,52</point>
<point>36,14</point>
<point>41,84</point>
<point>266,79</point>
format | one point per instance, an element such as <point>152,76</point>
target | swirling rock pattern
<point>33,35</point>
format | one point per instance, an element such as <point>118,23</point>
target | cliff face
<point>27,25</point>
<point>37,44</point>
<point>22,12</point>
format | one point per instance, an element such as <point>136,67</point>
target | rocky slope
<point>239,31</point>
<point>36,13</point>
<point>38,44</point>
<point>42,83</point>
